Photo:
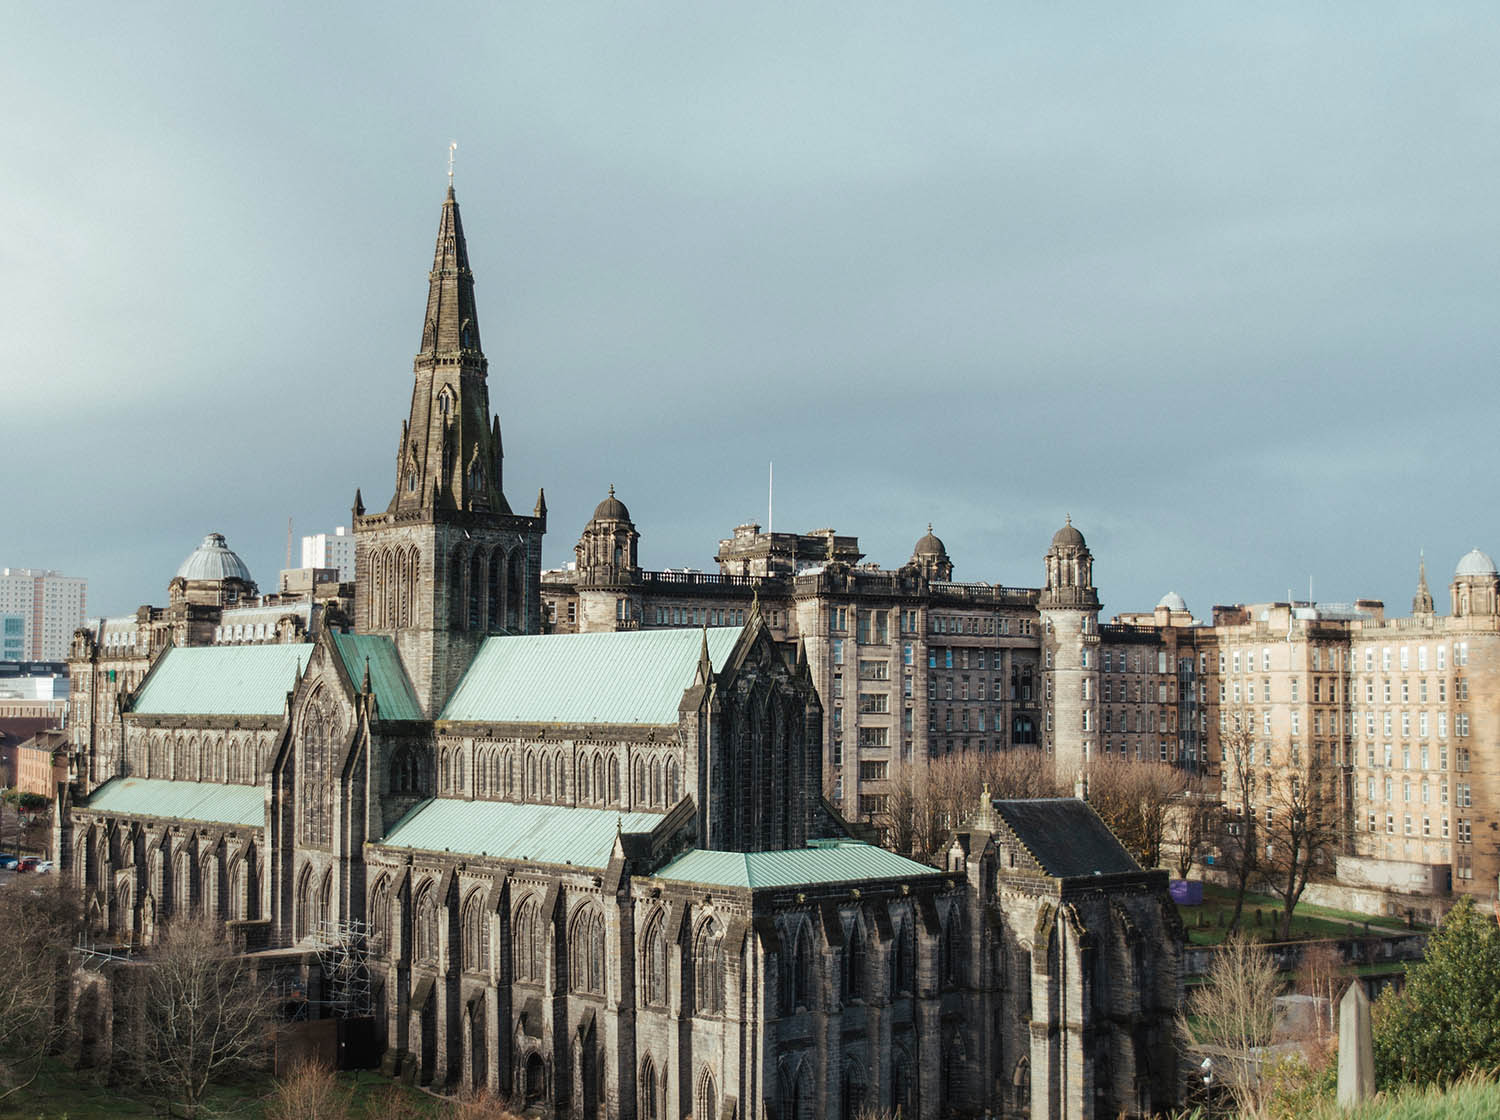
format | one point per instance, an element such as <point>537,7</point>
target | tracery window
<point>476,934</point>
<point>586,953</point>
<point>527,945</point>
<point>708,969</point>
<point>856,959</point>
<point>654,965</point>
<point>797,976</point>
<point>425,927</point>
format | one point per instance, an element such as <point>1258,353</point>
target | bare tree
<point>925,804</point>
<point>200,1011</point>
<point>1238,842</point>
<point>1324,975</point>
<point>1231,1016</point>
<point>1191,821</point>
<point>1135,798</point>
<point>1300,833</point>
<point>38,924</point>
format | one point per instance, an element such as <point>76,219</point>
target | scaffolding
<point>343,949</point>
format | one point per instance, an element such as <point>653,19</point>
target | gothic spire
<point>452,325</point>
<point>1422,602</point>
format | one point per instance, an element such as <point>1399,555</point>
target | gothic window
<point>456,591</point>
<point>476,586</point>
<point>497,562</point>
<point>445,775</point>
<point>649,1102</point>
<point>445,402</point>
<point>853,1095</point>
<point>380,911</point>
<point>547,776</point>
<point>656,782</point>
<point>708,969</point>
<point>598,777</point>
<point>614,781</point>
<point>476,934</point>
<point>638,782</point>
<point>304,904</point>
<point>706,1098</point>
<point>403,771</point>
<point>510,774</point>
<point>654,964</point>
<point>425,927</point>
<point>515,580</point>
<point>562,775</point>
<point>586,953</point>
<point>856,959</point>
<point>797,1095</point>
<point>527,945</point>
<point>902,1083</point>
<point>583,780</point>
<point>530,792</point>
<point>798,978</point>
<point>325,902</point>
<point>953,947</point>
<point>321,724</point>
<point>902,960</point>
<point>674,782</point>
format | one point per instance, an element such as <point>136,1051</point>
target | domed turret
<point>1476,586</point>
<point>213,559</point>
<point>1173,602</point>
<point>607,551</point>
<point>1475,563</point>
<point>611,509</point>
<point>930,556</point>
<point>1068,537</point>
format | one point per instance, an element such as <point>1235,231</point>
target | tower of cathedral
<point>448,562</point>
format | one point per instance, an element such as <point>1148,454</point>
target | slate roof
<point>1066,837</point>
<point>823,862</point>
<point>193,801</point>
<point>555,834</point>
<point>630,677</point>
<point>222,680</point>
<point>393,692</point>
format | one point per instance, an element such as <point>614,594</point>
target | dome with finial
<point>611,509</point>
<point>930,545</point>
<point>213,559</point>
<point>1475,563</point>
<point>1068,536</point>
<point>1173,602</point>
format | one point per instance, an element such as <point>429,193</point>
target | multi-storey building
<point>330,550</point>
<point>51,606</point>
<point>593,872</point>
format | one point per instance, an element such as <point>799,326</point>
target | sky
<point>1219,283</point>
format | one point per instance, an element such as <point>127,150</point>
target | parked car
<point>8,863</point>
<point>28,863</point>
<point>44,866</point>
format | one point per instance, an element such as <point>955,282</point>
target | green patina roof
<point>824,862</point>
<point>393,691</point>
<point>222,680</point>
<point>193,801</point>
<point>632,677</point>
<point>538,833</point>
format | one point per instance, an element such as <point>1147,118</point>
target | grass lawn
<point>1206,924</point>
<point>61,1092</point>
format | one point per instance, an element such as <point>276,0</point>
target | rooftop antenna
<point>452,147</point>
<point>288,563</point>
<point>770,497</point>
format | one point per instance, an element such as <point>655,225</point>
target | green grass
<point>61,1092</point>
<point>1309,922</point>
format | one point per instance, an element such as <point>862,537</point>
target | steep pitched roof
<point>630,677</point>
<point>394,695</point>
<point>192,801</point>
<point>222,680</point>
<point>1066,837</point>
<point>828,861</point>
<point>554,834</point>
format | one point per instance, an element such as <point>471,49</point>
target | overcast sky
<point>1220,282</point>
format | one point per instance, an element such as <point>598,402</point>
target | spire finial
<point>929,526</point>
<point>1068,517</point>
<point>611,489</point>
<point>452,147</point>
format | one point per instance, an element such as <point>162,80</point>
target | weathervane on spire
<point>452,147</point>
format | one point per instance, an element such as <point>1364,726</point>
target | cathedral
<point>594,873</point>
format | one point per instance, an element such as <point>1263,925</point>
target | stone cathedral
<point>593,873</point>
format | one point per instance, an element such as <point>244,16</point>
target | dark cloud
<point>1220,286</point>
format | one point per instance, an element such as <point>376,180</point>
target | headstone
<point>1356,1050</point>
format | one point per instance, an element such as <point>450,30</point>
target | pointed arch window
<point>649,1102</point>
<point>476,587</point>
<point>953,947</point>
<point>586,953</point>
<point>476,934</point>
<point>797,974</point>
<point>856,962</point>
<point>902,960</point>
<point>425,927</point>
<point>527,946</point>
<point>708,969</point>
<point>654,964</point>
<point>674,782</point>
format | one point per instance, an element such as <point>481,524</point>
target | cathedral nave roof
<point>222,680</point>
<point>552,834</point>
<point>214,802</point>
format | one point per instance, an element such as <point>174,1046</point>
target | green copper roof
<point>223,680</point>
<point>393,691</point>
<point>193,801</point>
<point>824,862</point>
<point>538,833</point>
<point>631,677</point>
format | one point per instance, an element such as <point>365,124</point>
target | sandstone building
<point>594,872</point>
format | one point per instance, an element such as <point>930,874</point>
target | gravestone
<point>1356,1050</point>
